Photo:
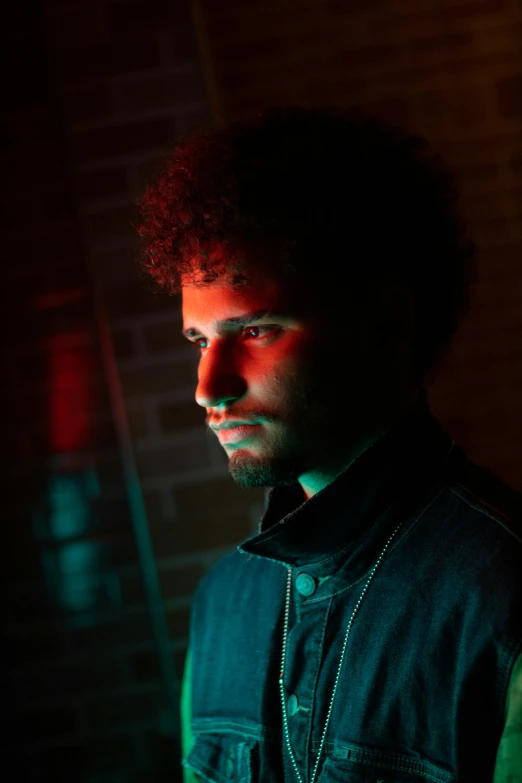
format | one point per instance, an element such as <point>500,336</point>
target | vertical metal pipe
<point>170,718</point>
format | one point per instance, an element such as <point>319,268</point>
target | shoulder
<point>485,495</point>
<point>223,572</point>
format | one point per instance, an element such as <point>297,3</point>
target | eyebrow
<point>241,320</point>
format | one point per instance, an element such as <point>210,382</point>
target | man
<point>372,628</point>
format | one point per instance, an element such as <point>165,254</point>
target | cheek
<point>301,380</point>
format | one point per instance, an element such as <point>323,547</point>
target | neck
<point>316,479</point>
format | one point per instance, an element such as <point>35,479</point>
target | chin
<point>249,471</point>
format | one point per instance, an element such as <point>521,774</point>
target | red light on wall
<point>70,397</point>
<point>52,299</point>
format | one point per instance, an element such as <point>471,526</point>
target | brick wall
<point>452,70</point>
<point>102,89</point>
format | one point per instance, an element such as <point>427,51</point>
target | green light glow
<point>73,563</point>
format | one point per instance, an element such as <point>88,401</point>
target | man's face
<point>312,387</point>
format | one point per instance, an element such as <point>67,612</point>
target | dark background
<point>115,501</point>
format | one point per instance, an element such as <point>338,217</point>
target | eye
<point>195,343</point>
<point>269,328</point>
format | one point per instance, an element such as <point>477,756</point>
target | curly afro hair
<point>334,198</point>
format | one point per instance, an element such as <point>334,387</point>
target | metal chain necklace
<point>288,587</point>
<point>283,658</point>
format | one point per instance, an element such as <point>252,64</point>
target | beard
<point>308,438</point>
<point>249,471</point>
<point>284,453</point>
<point>315,436</point>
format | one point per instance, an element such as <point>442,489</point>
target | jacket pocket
<point>343,771</point>
<point>221,758</point>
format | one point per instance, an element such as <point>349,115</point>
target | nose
<point>218,381</point>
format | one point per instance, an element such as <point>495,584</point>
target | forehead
<point>219,300</point>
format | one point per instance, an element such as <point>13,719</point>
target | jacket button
<point>229,768</point>
<point>292,705</point>
<point>305,584</point>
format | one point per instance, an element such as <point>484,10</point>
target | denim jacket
<point>421,694</point>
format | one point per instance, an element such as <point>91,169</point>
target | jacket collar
<point>298,532</point>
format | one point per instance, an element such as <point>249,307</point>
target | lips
<point>230,424</point>
<point>237,434</point>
